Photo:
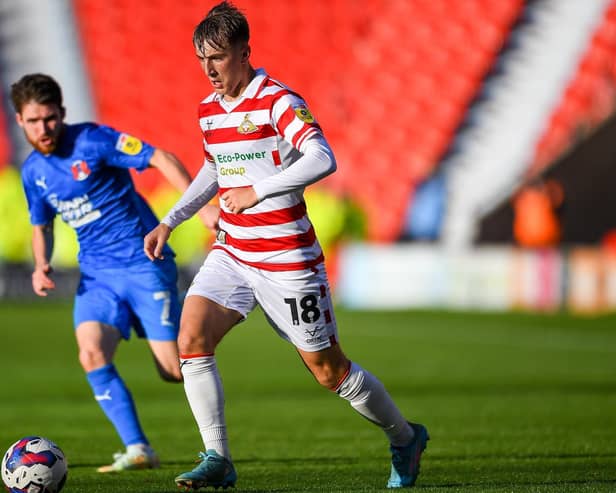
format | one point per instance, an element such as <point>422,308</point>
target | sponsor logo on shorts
<point>314,340</point>
<point>312,332</point>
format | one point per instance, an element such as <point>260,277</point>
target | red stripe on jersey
<point>226,135</point>
<point>223,190</point>
<point>280,216</point>
<point>328,317</point>
<point>285,119</point>
<point>290,242</point>
<point>259,102</point>
<point>275,267</point>
<point>300,135</point>
<point>276,157</point>
<point>305,135</point>
<point>323,291</point>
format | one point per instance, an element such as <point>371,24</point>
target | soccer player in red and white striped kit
<point>262,148</point>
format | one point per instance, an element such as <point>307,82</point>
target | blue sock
<point>117,403</point>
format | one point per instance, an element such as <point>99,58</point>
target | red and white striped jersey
<point>248,142</point>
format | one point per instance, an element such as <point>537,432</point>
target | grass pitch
<point>513,403</point>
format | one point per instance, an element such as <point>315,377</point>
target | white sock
<point>205,395</point>
<point>139,448</point>
<point>369,398</point>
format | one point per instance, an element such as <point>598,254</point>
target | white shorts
<point>296,303</point>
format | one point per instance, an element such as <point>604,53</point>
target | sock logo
<point>185,362</point>
<point>104,397</point>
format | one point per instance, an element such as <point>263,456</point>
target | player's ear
<point>19,119</point>
<point>62,112</point>
<point>246,53</point>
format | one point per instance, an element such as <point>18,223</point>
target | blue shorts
<point>143,296</point>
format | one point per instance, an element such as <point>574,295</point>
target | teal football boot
<point>405,460</point>
<point>213,470</point>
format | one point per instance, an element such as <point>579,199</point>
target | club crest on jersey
<point>80,170</point>
<point>303,113</point>
<point>247,127</point>
<point>128,144</point>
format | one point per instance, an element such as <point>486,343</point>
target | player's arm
<point>42,248</point>
<point>315,164</point>
<point>176,174</point>
<point>202,189</point>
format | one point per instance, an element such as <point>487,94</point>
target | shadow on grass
<point>518,484</point>
<point>473,457</point>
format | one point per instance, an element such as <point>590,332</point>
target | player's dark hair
<point>224,25</point>
<point>39,88</point>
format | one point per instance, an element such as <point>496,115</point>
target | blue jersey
<point>87,182</point>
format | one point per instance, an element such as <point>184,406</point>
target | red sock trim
<point>195,355</point>
<point>341,381</point>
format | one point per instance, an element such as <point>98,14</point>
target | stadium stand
<point>391,83</point>
<point>496,147</point>
<point>398,86</point>
<point>588,99</point>
<point>423,60</point>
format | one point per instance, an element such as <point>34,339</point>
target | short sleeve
<point>121,149</point>
<point>40,210</point>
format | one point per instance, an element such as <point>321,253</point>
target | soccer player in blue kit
<point>81,172</point>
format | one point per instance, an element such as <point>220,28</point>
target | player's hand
<point>155,240</point>
<point>209,215</point>
<point>41,280</point>
<point>238,200</point>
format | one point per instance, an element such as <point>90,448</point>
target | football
<point>34,465</point>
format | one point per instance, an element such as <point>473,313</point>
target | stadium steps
<point>495,148</point>
<point>41,37</point>
<point>588,99</point>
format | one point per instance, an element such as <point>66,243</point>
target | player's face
<point>42,125</point>
<point>227,69</point>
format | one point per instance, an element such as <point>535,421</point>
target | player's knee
<point>328,376</point>
<point>91,358</point>
<point>190,342</point>
<point>326,380</point>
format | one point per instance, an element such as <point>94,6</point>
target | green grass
<point>514,403</point>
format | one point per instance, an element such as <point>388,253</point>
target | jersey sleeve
<point>202,189</point>
<point>293,120</point>
<point>121,149</point>
<point>41,212</point>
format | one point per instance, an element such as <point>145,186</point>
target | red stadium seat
<point>374,74</point>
